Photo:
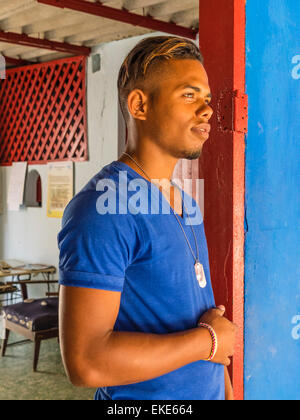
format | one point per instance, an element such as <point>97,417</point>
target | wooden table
<point>48,270</point>
<point>20,276</point>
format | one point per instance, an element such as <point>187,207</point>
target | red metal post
<point>16,62</point>
<point>97,9</point>
<point>222,42</point>
<point>28,41</point>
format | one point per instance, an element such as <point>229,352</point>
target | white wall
<point>28,234</point>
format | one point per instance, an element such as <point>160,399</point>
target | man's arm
<point>96,356</point>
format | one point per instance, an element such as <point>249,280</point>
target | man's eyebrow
<point>195,88</point>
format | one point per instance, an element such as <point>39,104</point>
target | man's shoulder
<point>89,192</point>
<point>98,199</point>
<point>109,172</point>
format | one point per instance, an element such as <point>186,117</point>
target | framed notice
<point>60,187</point>
<point>15,195</point>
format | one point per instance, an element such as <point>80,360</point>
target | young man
<point>136,285</point>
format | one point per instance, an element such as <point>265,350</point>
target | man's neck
<point>154,165</point>
<point>171,193</point>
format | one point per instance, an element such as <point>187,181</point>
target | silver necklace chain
<point>177,218</point>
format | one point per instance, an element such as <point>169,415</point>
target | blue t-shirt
<point>119,234</point>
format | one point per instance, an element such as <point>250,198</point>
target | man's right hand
<point>226,334</point>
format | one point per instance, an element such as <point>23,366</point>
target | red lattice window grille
<point>43,113</point>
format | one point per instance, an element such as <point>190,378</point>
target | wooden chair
<point>34,319</point>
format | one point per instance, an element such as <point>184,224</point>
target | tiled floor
<point>19,382</point>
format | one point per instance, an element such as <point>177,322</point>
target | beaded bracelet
<point>214,338</point>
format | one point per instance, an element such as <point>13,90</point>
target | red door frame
<point>222,165</point>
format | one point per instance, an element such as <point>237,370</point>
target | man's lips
<point>202,129</point>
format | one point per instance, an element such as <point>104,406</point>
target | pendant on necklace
<point>200,275</point>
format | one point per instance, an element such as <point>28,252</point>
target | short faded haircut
<point>139,62</point>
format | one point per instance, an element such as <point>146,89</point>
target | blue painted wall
<point>272,223</point>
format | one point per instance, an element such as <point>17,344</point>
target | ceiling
<point>46,22</point>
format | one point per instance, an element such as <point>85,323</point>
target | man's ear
<point>138,104</point>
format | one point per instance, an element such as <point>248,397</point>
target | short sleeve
<point>96,249</point>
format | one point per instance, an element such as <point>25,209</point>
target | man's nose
<point>205,111</point>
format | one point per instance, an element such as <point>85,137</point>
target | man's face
<point>179,112</point>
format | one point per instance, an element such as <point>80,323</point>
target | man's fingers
<point>227,362</point>
<point>221,310</point>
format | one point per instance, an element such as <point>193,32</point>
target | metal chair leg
<point>4,343</point>
<point>37,345</point>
